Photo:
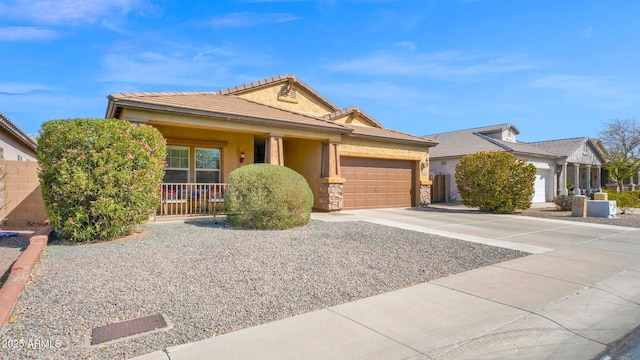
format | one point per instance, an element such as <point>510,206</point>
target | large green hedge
<point>99,178</point>
<point>495,182</point>
<point>264,196</point>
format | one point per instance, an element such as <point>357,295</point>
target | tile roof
<point>234,108</point>
<point>274,80</point>
<point>484,129</point>
<point>567,147</point>
<point>352,109</point>
<point>561,147</point>
<point>223,106</point>
<point>6,123</point>
<point>469,141</point>
<point>386,134</point>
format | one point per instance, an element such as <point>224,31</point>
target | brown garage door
<point>376,183</point>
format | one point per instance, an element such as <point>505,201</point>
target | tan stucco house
<point>350,160</point>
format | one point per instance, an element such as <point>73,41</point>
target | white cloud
<point>583,84</point>
<point>20,88</point>
<point>409,45</point>
<point>376,90</point>
<point>158,69</point>
<point>66,12</point>
<point>246,19</point>
<point>592,91</point>
<point>450,65</point>
<point>27,33</point>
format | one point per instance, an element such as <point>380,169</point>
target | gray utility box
<point>601,208</point>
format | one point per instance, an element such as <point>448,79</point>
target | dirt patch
<point>56,239</point>
<point>10,249</point>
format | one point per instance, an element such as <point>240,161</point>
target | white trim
<point>195,164</point>
<point>188,168</point>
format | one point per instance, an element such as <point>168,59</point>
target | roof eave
<point>18,133</point>
<point>225,116</point>
<point>393,140</point>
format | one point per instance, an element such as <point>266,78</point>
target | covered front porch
<point>580,179</point>
<point>200,159</point>
<point>191,199</point>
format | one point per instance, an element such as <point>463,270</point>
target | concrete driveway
<point>576,293</point>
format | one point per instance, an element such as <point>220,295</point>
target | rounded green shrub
<point>495,181</point>
<point>264,196</point>
<point>99,178</point>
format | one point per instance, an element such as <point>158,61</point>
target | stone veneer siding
<point>331,197</point>
<point>425,195</point>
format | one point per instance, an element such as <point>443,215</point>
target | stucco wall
<point>13,149</point>
<point>304,157</point>
<point>304,103</point>
<point>349,119</point>
<point>230,143</point>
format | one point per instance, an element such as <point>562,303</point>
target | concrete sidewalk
<point>578,293</point>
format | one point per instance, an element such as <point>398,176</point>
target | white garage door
<point>540,186</point>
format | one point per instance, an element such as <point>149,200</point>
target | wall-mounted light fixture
<point>242,156</point>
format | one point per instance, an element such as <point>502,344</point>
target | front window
<point>177,167</point>
<point>207,165</point>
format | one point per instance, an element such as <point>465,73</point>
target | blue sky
<point>555,69</point>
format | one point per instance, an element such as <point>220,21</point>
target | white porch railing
<point>191,199</point>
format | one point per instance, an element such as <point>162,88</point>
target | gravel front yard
<point>210,280</point>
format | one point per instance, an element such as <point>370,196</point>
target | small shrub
<point>99,178</point>
<point>563,202</point>
<point>624,200</point>
<point>495,182</point>
<point>264,196</point>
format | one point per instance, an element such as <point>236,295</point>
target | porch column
<point>563,179</point>
<point>587,184</point>
<point>274,153</point>
<point>576,179</point>
<point>599,178</point>
<point>330,160</point>
<point>331,184</point>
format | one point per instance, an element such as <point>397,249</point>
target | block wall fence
<point>20,195</point>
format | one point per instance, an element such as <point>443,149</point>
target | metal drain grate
<point>127,329</point>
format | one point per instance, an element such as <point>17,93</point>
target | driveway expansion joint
<point>379,333</point>
<point>528,312</point>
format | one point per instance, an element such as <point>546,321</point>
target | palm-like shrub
<point>264,196</point>
<point>495,182</point>
<point>99,178</point>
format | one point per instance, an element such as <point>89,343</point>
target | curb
<point>20,272</point>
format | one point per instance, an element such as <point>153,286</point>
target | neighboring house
<point>456,144</point>
<point>580,163</point>
<point>349,159</point>
<point>14,143</point>
<point>21,201</point>
<point>555,161</point>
